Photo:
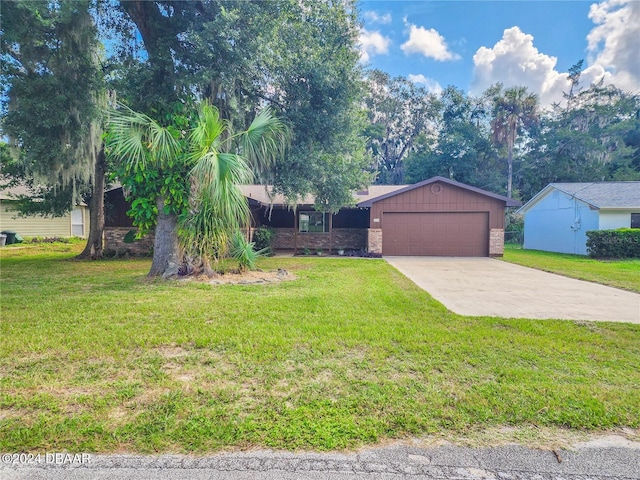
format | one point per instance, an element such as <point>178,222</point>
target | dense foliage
<point>52,97</point>
<point>620,243</point>
<point>594,135</point>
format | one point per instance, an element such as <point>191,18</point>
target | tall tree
<point>462,149</point>
<point>53,94</point>
<point>514,110</point>
<point>315,81</point>
<point>298,57</point>
<point>399,112</point>
<point>592,139</point>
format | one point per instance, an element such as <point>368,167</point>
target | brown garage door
<point>456,234</point>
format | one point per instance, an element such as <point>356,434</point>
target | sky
<point>474,44</point>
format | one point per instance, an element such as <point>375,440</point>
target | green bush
<point>244,252</point>
<point>620,243</point>
<point>262,238</point>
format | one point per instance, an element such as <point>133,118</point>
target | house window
<point>313,222</point>
<point>77,223</point>
<point>635,220</point>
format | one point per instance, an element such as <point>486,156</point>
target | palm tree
<point>513,109</point>
<point>218,160</point>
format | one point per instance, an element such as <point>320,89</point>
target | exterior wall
<point>496,242</point>
<point>343,238</point>
<point>38,226</point>
<point>439,197</point>
<point>612,219</point>
<point>558,223</point>
<point>114,242</point>
<point>374,240</point>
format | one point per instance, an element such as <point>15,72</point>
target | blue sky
<point>472,44</point>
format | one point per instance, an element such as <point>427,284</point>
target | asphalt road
<point>387,463</point>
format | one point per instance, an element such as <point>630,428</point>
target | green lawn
<point>623,274</point>
<point>95,358</point>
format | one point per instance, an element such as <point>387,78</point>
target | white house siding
<point>37,226</point>
<point>558,223</point>
<point>612,219</point>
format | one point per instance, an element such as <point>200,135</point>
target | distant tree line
<point>502,140</point>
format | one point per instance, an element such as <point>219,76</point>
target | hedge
<point>620,243</point>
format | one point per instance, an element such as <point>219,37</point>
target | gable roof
<point>509,202</point>
<point>600,195</point>
<point>261,194</point>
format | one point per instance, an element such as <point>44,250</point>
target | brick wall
<point>374,240</point>
<point>343,238</point>
<point>114,242</point>
<point>496,242</point>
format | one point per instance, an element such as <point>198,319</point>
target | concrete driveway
<point>489,287</point>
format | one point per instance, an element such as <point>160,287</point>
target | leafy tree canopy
<point>52,85</point>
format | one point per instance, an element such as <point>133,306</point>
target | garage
<point>437,217</point>
<point>457,234</point>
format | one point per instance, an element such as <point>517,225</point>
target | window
<point>313,222</point>
<point>635,220</point>
<point>77,223</point>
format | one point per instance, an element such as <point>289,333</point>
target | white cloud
<point>375,17</point>
<point>431,85</point>
<point>614,43</point>
<point>428,43</point>
<point>372,43</point>
<point>514,60</point>
<point>614,55</point>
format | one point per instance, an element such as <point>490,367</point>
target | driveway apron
<point>490,287</point>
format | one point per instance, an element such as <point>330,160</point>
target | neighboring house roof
<point>508,201</point>
<point>16,191</point>
<point>600,195</point>
<point>261,194</point>
<point>12,192</point>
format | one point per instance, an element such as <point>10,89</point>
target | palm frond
<point>264,141</point>
<point>136,138</point>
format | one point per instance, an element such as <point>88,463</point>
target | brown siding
<point>439,219</point>
<point>439,197</point>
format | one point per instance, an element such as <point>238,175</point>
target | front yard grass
<point>94,358</point>
<point>623,274</point>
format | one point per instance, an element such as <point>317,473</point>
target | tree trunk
<point>94,246</point>
<point>167,255</point>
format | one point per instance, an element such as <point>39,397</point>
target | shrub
<point>262,238</point>
<point>244,252</point>
<point>620,243</point>
<point>514,228</point>
<point>49,240</point>
<point>362,253</point>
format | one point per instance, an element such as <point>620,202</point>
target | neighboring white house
<point>558,217</point>
<point>73,224</point>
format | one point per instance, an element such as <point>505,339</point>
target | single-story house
<point>72,224</point>
<point>558,217</point>
<point>438,216</point>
